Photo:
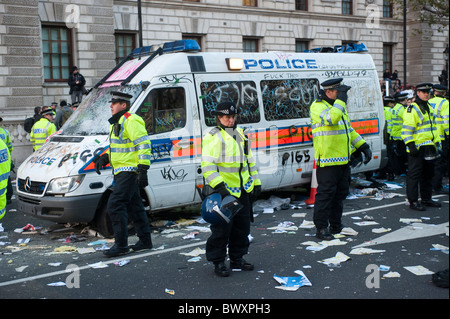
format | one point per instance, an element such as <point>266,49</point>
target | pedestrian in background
<point>129,155</point>
<point>334,141</point>
<point>422,140</point>
<point>42,129</point>
<point>229,167</point>
<point>29,122</point>
<point>76,82</point>
<point>62,114</point>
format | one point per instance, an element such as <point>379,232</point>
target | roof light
<point>346,48</point>
<point>181,45</point>
<point>234,64</point>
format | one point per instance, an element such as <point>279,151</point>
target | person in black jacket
<point>76,82</point>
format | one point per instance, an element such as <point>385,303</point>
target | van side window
<point>164,110</point>
<point>243,93</point>
<point>288,99</point>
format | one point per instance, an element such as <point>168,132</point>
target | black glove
<point>365,149</point>
<point>356,159</point>
<point>222,190</point>
<point>342,92</point>
<point>413,151</point>
<point>142,175</point>
<point>101,162</point>
<point>256,190</point>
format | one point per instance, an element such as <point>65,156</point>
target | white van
<point>175,89</point>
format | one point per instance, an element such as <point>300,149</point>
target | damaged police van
<point>175,88</point>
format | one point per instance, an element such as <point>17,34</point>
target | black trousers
<point>333,187</point>
<point>235,235</point>
<point>441,166</point>
<point>419,177</point>
<point>125,203</point>
<point>399,158</point>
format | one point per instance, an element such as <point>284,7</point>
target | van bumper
<point>78,209</point>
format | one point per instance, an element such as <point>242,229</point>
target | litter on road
<point>292,283</point>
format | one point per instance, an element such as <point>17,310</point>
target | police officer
<point>42,129</point>
<point>129,156</point>
<point>228,167</point>
<point>334,140</point>
<point>422,140</point>
<point>440,107</point>
<point>5,136</point>
<point>398,146</point>
<point>388,102</point>
<point>5,168</point>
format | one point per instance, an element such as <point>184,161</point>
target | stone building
<point>40,40</point>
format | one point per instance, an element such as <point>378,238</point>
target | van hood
<point>63,156</point>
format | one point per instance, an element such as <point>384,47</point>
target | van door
<point>168,116</point>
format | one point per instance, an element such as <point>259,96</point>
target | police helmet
<point>217,211</point>
<point>226,108</point>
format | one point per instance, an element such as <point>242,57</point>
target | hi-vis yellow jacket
<point>131,146</point>
<point>440,108</point>
<point>40,131</point>
<point>419,127</point>
<point>5,168</point>
<point>334,138</point>
<point>229,160</point>
<point>397,121</point>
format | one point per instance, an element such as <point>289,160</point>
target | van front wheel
<point>103,222</point>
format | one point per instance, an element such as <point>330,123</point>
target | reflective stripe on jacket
<point>419,127</point>
<point>440,107</point>
<point>229,159</point>
<point>334,138</point>
<point>40,131</point>
<point>5,168</point>
<point>132,146</point>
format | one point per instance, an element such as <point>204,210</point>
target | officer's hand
<point>142,175</point>
<point>222,190</point>
<point>356,159</point>
<point>342,93</point>
<point>365,149</point>
<point>100,162</point>
<point>256,190</point>
<point>413,151</point>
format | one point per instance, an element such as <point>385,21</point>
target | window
<point>243,93</point>
<point>347,6</point>
<point>57,53</point>
<point>387,8</point>
<point>288,99</point>
<point>301,45</point>
<point>250,45</point>
<point>164,110</point>
<point>125,43</point>
<point>387,57</point>
<point>301,5</point>
<point>249,3</point>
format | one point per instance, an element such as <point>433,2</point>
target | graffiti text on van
<point>268,64</point>
<point>42,160</point>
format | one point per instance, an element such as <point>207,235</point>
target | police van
<point>175,88</point>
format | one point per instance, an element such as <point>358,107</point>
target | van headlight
<point>63,185</point>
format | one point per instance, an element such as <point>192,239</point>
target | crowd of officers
<point>417,142</point>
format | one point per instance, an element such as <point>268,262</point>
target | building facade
<point>41,40</point>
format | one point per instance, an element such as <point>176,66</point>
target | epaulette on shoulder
<point>214,131</point>
<point>409,109</point>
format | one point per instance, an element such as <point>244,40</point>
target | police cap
<point>48,111</point>
<point>439,87</point>
<point>424,87</point>
<point>401,96</point>
<point>117,96</point>
<point>332,84</point>
<point>387,99</point>
<point>226,108</point>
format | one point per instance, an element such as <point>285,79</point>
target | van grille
<point>31,187</point>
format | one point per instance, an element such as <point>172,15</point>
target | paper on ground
<point>365,251</point>
<point>194,253</point>
<point>98,265</point>
<point>380,230</point>
<point>419,270</point>
<point>307,224</point>
<point>392,274</point>
<point>340,257</point>
<point>292,283</point>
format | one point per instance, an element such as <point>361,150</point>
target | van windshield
<point>91,117</point>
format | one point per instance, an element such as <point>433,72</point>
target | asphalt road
<point>164,273</point>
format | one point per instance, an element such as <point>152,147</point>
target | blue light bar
<point>181,45</point>
<point>346,48</point>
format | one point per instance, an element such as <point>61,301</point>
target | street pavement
<point>34,270</point>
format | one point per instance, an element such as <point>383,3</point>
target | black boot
<point>430,203</point>
<point>116,251</point>
<point>336,229</point>
<point>416,206</point>
<point>241,264</point>
<point>324,234</point>
<point>142,244</point>
<point>221,269</point>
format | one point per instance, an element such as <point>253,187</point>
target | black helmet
<point>225,108</point>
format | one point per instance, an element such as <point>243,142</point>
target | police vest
<point>440,107</point>
<point>229,159</point>
<point>388,118</point>
<point>41,130</point>
<point>5,168</point>
<point>419,127</point>
<point>397,121</point>
<point>6,138</point>
<point>334,138</point>
<point>129,144</point>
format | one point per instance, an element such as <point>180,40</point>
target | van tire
<point>103,223</point>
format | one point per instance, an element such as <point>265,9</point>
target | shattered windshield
<point>91,117</point>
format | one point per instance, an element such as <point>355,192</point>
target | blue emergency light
<point>180,46</point>
<point>346,48</point>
